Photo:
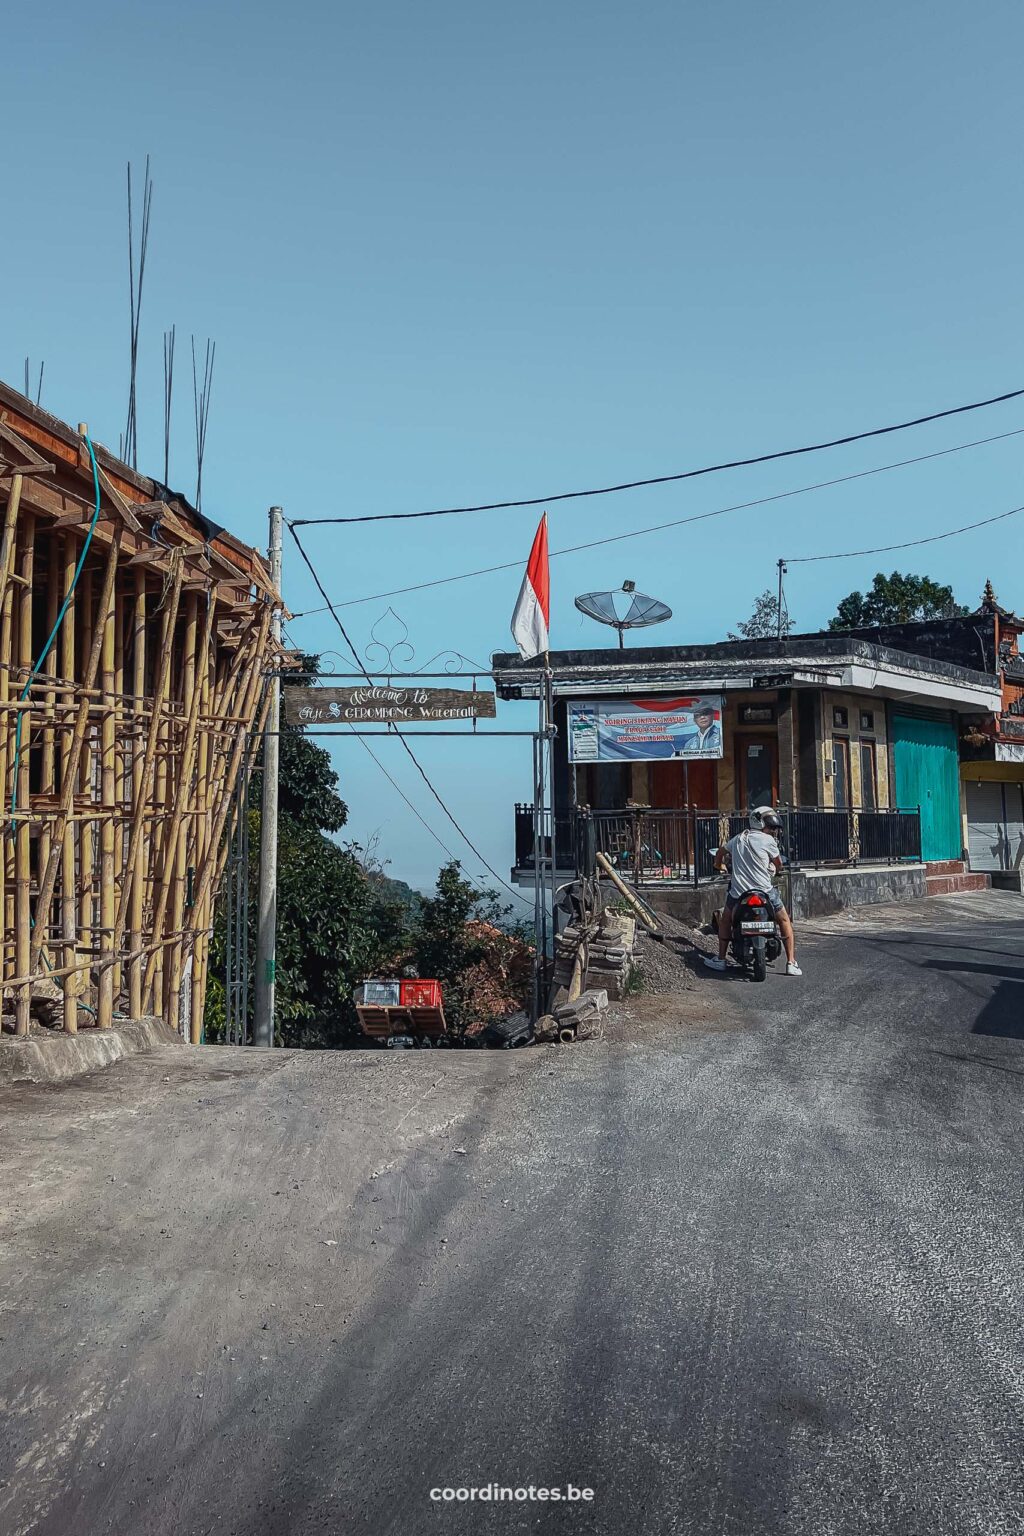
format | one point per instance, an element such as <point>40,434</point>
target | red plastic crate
<point>420,994</point>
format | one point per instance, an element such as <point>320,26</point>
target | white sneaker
<point>713,963</point>
<point>792,969</point>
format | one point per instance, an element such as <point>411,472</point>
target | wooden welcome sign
<point>368,704</point>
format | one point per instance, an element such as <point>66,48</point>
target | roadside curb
<point>54,1058</point>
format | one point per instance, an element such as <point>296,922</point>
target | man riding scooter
<point>753,858</point>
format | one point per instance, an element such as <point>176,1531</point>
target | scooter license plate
<point>758,927</point>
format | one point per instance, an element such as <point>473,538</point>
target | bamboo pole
<point>7,959</point>
<point>220,851</point>
<point>77,749</point>
<point>139,806</point>
<point>23,832</point>
<point>210,764</point>
<point>640,907</point>
<point>86,835</point>
<point>174,875</point>
<point>119,762</point>
<point>201,945</point>
<point>174,862</point>
<point>213,860</point>
<point>68,913</point>
<point>108,734</point>
<point>49,734</point>
<point>138,892</point>
<point>7,539</point>
<point>91,963</point>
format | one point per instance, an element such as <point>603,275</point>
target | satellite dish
<point>624,609</point>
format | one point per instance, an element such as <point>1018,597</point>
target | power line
<point>679,522</point>
<point>688,474</point>
<point>882,549</point>
<point>409,752</point>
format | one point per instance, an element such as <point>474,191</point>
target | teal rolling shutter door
<point>928,775</point>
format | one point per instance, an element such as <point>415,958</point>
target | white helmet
<point>764,819</point>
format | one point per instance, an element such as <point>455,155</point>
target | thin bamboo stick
<point>68,913</point>
<point>138,892</point>
<point>23,834</point>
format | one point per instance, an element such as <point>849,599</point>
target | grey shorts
<point>778,905</point>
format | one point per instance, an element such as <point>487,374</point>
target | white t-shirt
<point>751,854</point>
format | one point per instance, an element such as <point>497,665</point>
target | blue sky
<point>466,252</point>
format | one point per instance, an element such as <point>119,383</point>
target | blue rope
<point>56,628</point>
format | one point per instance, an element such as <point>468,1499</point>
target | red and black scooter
<point>755,934</point>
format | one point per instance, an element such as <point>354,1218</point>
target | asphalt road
<point>753,1270</point>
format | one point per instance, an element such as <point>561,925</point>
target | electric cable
<point>688,474</point>
<point>882,549</point>
<point>679,522</point>
<point>410,753</point>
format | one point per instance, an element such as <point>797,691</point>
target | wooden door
<point>675,784</point>
<point>757,771</point>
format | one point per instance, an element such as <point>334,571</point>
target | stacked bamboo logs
<point>116,791</point>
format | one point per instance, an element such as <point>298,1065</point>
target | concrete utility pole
<point>266,929</point>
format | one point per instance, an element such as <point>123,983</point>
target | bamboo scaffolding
<point>131,740</point>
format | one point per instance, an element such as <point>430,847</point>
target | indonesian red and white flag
<point>532,611</point>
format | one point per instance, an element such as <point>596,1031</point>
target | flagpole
<point>549,738</point>
<point>538,882</point>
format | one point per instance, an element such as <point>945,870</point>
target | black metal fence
<point>651,846</point>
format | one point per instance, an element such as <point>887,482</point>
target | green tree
<point>461,932</point>
<point>897,599</point>
<point>763,623</point>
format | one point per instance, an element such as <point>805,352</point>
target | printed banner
<point>645,730</point>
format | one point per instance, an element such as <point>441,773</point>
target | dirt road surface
<point>749,1264</point>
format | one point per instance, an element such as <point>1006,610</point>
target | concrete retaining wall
<point>54,1057</point>
<point>820,892</point>
<point>816,892</point>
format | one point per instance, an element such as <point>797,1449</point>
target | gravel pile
<point>669,964</point>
